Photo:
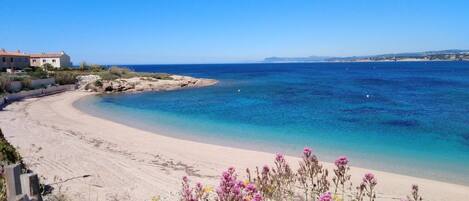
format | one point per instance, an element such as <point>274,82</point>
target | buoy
<point>367,95</point>
<point>239,90</point>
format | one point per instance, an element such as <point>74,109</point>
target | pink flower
<point>279,158</point>
<point>341,161</point>
<point>231,170</point>
<point>199,186</point>
<point>326,197</point>
<point>265,170</point>
<point>257,197</point>
<point>370,178</point>
<point>251,188</point>
<point>307,152</point>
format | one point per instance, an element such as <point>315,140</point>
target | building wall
<point>57,62</point>
<point>8,61</point>
<point>38,62</point>
<point>65,61</point>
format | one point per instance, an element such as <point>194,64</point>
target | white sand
<point>59,141</point>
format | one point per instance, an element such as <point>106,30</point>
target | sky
<point>226,31</point>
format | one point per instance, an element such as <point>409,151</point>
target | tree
<point>48,67</point>
<point>84,66</point>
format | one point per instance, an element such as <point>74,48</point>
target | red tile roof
<point>45,55</point>
<point>3,52</point>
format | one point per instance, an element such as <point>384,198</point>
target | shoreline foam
<point>126,161</point>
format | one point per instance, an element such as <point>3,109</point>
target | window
<point>43,60</point>
<point>34,60</point>
<point>53,60</point>
<point>11,59</point>
<point>4,59</point>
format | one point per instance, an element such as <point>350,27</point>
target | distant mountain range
<point>443,55</point>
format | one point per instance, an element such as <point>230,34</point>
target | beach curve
<point>58,140</point>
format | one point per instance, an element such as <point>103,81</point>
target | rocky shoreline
<point>94,83</point>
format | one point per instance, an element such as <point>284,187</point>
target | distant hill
<point>453,54</point>
<point>296,59</point>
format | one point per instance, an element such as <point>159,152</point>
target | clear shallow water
<point>410,118</point>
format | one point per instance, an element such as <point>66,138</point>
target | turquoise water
<point>409,118</point>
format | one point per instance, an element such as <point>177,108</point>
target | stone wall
<point>14,86</point>
<point>42,82</point>
<point>35,93</point>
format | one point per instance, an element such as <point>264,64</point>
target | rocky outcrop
<point>138,84</point>
<point>84,80</point>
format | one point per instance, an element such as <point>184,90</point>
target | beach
<point>96,159</point>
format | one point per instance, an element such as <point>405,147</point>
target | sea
<point>410,118</point>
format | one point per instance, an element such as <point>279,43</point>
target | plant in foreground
<point>232,189</point>
<point>312,176</point>
<point>198,193</point>
<point>283,179</point>
<point>367,188</point>
<point>279,183</point>
<point>263,181</point>
<point>341,174</point>
<point>326,197</point>
<point>415,196</point>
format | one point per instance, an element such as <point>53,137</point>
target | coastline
<point>126,161</point>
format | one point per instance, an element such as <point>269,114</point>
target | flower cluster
<point>326,197</point>
<point>280,182</point>
<point>199,193</point>
<point>341,174</point>
<point>283,178</point>
<point>367,187</point>
<point>232,189</point>
<point>312,176</point>
<point>263,181</point>
<point>341,162</point>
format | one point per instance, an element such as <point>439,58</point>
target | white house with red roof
<point>57,60</point>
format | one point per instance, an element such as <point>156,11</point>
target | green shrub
<point>28,69</point>
<point>84,66</point>
<point>65,68</point>
<point>65,77</point>
<point>48,67</point>
<point>8,153</point>
<point>98,83</point>
<point>26,83</point>
<point>105,75</point>
<point>37,73</point>
<point>161,76</point>
<point>4,82</point>
<point>118,71</point>
<point>96,68</point>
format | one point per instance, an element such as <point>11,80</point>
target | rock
<point>135,84</point>
<point>84,80</point>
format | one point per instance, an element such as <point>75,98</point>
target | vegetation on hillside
<point>8,155</point>
<point>67,75</point>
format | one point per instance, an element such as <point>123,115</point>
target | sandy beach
<point>63,144</point>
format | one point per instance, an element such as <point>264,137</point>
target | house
<point>12,60</point>
<point>57,60</point>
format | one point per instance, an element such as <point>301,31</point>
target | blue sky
<point>213,31</point>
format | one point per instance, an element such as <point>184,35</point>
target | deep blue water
<point>410,118</point>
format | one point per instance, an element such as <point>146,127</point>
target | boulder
<point>84,80</point>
